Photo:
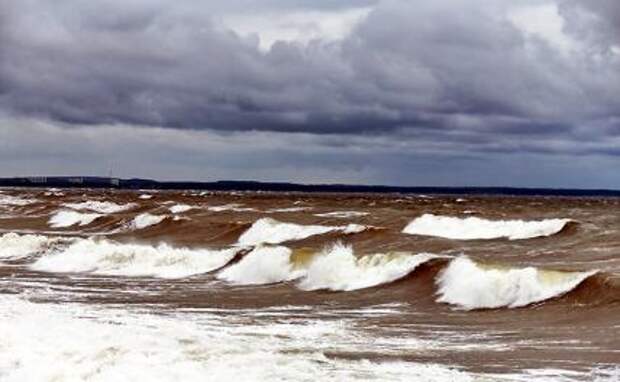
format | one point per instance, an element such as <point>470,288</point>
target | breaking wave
<point>288,209</point>
<point>469,285</point>
<point>338,269</point>
<point>14,246</point>
<point>146,220</point>
<point>9,200</point>
<point>235,207</point>
<point>473,228</point>
<point>111,258</point>
<point>68,218</point>
<point>264,265</point>
<point>271,231</point>
<point>100,207</point>
<point>51,342</point>
<point>180,208</point>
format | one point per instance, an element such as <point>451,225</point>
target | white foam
<point>112,258</point>
<point>468,285</point>
<point>62,342</point>
<point>338,269</point>
<point>235,207</point>
<point>473,228</point>
<point>288,209</point>
<point>14,246</point>
<point>67,218</point>
<point>100,207</point>
<point>271,231</point>
<point>146,220</point>
<point>10,200</point>
<point>342,214</point>
<point>264,265</point>
<point>180,208</point>
<point>145,196</point>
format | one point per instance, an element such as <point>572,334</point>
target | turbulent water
<point>117,285</point>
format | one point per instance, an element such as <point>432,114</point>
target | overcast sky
<point>427,92</point>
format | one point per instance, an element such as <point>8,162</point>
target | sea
<point>127,285</point>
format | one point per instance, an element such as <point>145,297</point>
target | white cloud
<point>544,21</point>
<point>300,26</point>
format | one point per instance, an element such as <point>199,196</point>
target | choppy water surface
<point>118,285</point>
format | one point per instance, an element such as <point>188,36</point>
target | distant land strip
<point>233,185</point>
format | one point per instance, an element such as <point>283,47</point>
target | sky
<point>519,93</point>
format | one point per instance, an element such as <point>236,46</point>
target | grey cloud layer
<point>432,70</point>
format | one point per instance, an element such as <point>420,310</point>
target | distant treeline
<point>135,184</point>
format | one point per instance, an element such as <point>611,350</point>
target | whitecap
<point>235,207</point>
<point>14,246</point>
<point>338,269</point>
<point>343,214</point>
<point>180,208</point>
<point>112,258</point>
<point>469,285</point>
<point>15,201</point>
<point>67,218</point>
<point>146,220</point>
<point>473,228</point>
<point>271,231</point>
<point>104,207</point>
<point>264,265</point>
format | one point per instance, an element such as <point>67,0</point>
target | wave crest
<point>473,228</point>
<point>100,207</point>
<point>264,265</point>
<point>110,258</point>
<point>14,246</point>
<point>271,231</point>
<point>146,220</point>
<point>67,218</point>
<point>338,269</point>
<point>469,285</point>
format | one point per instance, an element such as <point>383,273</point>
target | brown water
<point>326,296</point>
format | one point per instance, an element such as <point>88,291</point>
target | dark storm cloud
<point>432,68</point>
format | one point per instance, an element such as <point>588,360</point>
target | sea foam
<point>105,344</point>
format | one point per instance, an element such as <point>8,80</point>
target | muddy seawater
<point>108,285</point>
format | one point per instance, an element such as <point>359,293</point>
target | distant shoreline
<point>135,184</point>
